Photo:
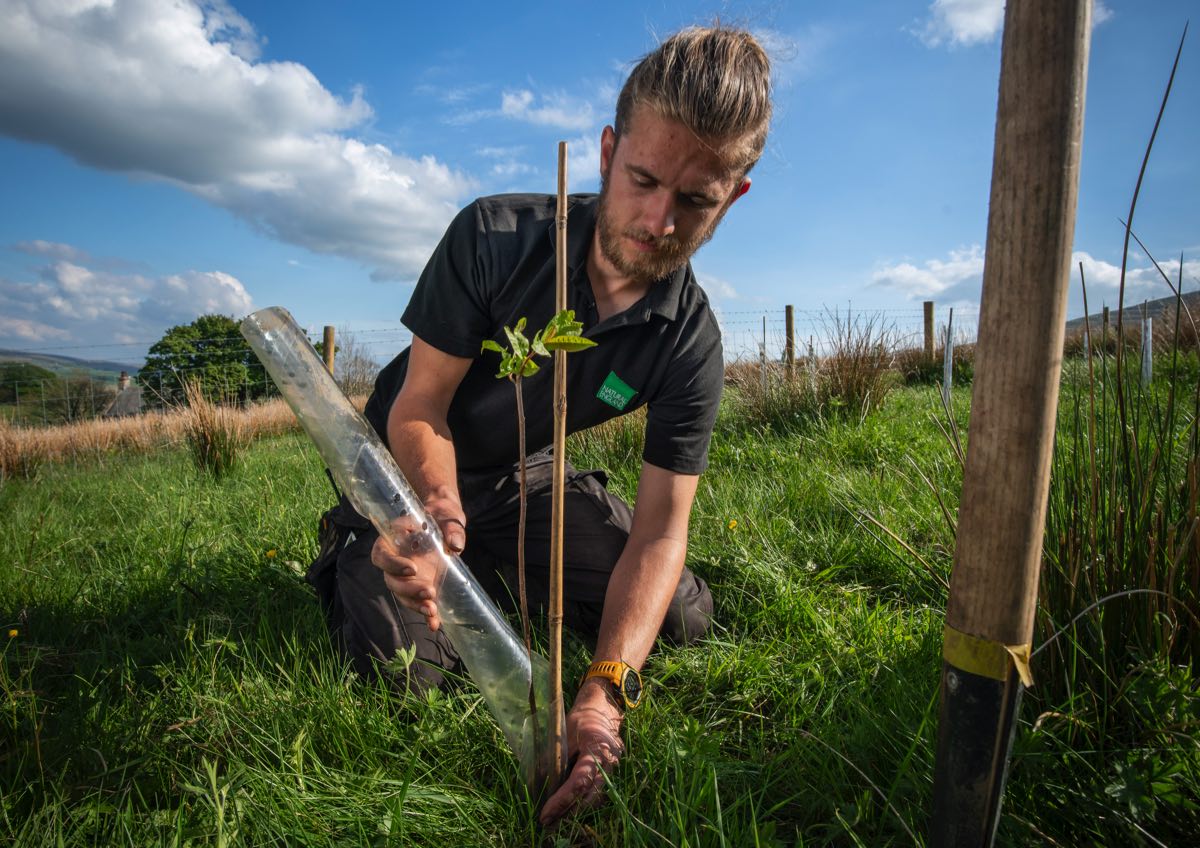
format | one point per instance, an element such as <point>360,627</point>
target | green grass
<point>172,683</point>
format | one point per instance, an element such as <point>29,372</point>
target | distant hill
<point>1156,309</point>
<point>69,364</point>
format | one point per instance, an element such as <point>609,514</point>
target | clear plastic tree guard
<point>365,471</point>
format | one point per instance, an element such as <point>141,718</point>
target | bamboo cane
<point>993,587</point>
<point>558,746</point>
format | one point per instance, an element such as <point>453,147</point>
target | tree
<point>22,379</point>
<point>209,351</point>
<point>354,367</point>
<point>76,397</point>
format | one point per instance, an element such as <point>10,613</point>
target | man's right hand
<point>412,570</point>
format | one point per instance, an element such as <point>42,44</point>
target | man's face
<point>662,194</point>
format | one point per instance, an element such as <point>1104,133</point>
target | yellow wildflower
<point>733,524</point>
<point>271,553</point>
<point>12,633</point>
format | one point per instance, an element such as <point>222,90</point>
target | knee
<point>690,614</point>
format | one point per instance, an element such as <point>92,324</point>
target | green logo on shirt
<point>615,392</point>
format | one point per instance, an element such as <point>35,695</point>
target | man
<point>691,122</point>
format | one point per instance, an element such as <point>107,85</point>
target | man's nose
<point>659,215</point>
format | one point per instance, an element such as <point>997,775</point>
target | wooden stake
<point>929,340</point>
<point>993,587</point>
<point>556,731</point>
<point>329,346</point>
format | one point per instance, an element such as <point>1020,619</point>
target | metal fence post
<point>762,354</point>
<point>948,365</point>
<point>789,319</point>
<point>1147,349</point>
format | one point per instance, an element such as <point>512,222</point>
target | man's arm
<point>420,441</point>
<point>635,605</point>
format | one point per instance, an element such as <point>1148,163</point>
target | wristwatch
<point>623,677</point>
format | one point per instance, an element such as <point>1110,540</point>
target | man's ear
<point>608,144</point>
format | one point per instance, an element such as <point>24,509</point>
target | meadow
<point>166,677</point>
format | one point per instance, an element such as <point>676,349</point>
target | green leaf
<point>563,324</point>
<point>530,368</point>
<point>517,340</point>
<point>539,346</point>
<point>508,364</point>
<point>571,344</point>
<point>489,344</point>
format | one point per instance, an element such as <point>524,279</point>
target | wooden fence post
<point>789,356</point>
<point>330,347</point>
<point>929,341</point>
<point>997,558</point>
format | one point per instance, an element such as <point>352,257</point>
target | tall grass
<point>1122,525</point>
<point>216,434</point>
<point>26,450</point>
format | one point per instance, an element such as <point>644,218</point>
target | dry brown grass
<point>23,450</point>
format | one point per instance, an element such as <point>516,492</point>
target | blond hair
<point>716,82</point>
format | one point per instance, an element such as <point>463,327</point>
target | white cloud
<point>794,54</point>
<point>555,110</point>
<point>716,288</point>
<point>172,91</point>
<point>935,276</point>
<point>511,168</point>
<point>20,331</point>
<point>961,23</point>
<point>583,162</point>
<point>52,249</point>
<point>91,305</point>
<point>1142,282</point>
<point>958,279</point>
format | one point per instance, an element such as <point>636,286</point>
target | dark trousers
<point>369,626</point>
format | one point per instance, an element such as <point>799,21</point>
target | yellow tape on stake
<point>985,657</point>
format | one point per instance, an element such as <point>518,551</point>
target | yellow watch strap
<point>608,670</point>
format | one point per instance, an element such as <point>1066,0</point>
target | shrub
<point>215,434</point>
<point>917,369</point>
<point>855,378</point>
<point>779,403</point>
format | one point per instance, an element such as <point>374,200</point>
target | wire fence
<point>748,335</point>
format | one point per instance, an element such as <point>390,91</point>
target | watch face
<point>631,685</point>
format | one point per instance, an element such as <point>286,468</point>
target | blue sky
<point>163,159</point>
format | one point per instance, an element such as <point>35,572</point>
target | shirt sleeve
<point>680,420</point>
<point>448,308</point>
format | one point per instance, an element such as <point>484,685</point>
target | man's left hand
<point>594,739</point>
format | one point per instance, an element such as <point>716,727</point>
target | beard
<point>669,255</point>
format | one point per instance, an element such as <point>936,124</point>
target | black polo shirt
<point>495,265</point>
